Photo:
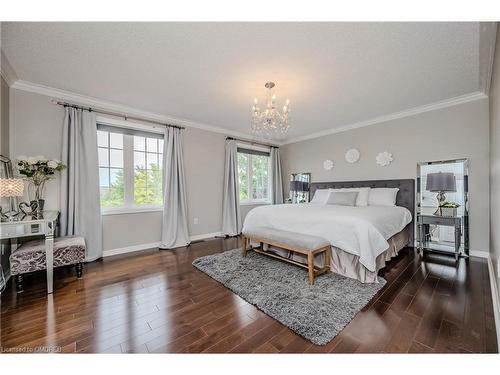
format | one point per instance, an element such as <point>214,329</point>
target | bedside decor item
<point>440,183</point>
<point>328,164</point>
<point>384,159</point>
<point>448,209</point>
<point>352,155</point>
<point>38,170</point>
<point>298,187</point>
<point>10,188</point>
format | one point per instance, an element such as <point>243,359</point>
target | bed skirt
<point>347,264</point>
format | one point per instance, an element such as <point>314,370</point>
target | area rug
<point>317,312</point>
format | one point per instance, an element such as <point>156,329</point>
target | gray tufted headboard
<point>405,197</point>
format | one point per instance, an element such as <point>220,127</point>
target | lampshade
<point>11,187</point>
<point>299,186</point>
<point>441,181</point>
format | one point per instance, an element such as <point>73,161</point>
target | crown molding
<point>487,41</point>
<point>393,116</point>
<point>6,70</point>
<point>97,103</point>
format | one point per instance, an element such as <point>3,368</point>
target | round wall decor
<point>352,155</point>
<point>328,164</point>
<point>384,158</point>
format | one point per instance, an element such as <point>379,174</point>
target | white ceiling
<point>334,74</point>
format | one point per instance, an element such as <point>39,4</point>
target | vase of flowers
<point>38,170</point>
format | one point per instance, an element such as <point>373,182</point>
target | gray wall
<point>36,126</point>
<point>4,150</point>
<point>495,162</point>
<point>4,118</point>
<point>453,132</point>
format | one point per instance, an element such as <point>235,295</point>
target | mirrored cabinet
<point>443,207</point>
<point>299,187</point>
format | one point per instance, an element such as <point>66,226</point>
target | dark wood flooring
<point>156,301</point>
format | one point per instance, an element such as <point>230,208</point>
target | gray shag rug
<point>317,312</point>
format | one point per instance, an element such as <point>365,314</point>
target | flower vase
<point>38,199</point>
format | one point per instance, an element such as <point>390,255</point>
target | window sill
<point>254,203</point>
<point>131,210</point>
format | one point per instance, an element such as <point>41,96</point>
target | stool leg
<point>310,267</point>
<point>19,283</point>
<point>79,270</point>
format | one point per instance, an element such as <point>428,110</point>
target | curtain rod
<point>251,142</point>
<point>116,114</point>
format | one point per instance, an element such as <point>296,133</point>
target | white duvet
<point>362,231</point>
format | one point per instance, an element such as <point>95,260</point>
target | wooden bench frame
<point>312,270</point>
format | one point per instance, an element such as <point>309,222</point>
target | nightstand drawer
<point>438,220</point>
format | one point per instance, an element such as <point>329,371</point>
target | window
<point>130,168</point>
<point>253,175</point>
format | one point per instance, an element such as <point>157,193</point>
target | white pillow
<point>383,196</point>
<point>343,198</point>
<point>362,198</point>
<point>321,196</point>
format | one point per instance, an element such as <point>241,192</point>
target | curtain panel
<point>80,196</point>
<point>175,223</point>
<point>276,178</point>
<point>231,214</point>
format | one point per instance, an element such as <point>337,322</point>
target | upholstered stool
<point>30,257</point>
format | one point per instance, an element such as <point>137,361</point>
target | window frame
<point>252,202</point>
<point>129,205</point>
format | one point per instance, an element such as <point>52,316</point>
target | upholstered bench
<point>30,257</point>
<point>300,243</point>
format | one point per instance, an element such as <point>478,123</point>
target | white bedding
<point>362,231</point>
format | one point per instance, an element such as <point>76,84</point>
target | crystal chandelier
<point>270,122</point>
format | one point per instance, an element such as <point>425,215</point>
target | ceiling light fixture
<point>270,122</point>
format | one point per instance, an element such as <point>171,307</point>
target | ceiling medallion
<point>270,122</point>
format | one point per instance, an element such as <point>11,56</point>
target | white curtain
<point>175,223</point>
<point>80,202</point>
<point>231,215</point>
<point>276,180</point>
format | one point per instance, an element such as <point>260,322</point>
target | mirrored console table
<point>28,226</point>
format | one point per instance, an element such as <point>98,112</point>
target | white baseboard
<point>496,298</point>
<point>479,254</point>
<point>129,249</point>
<point>147,246</point>
<point>205,236</point>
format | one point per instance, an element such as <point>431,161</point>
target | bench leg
<point>328,257</point>
<point>310,267</point>
<point>19,283</point>
<point>79,270</point>
<point>244,246</point>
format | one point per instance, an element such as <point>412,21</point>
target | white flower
<point>31,160</point>
<point>52,164</point>
<point>41,158</point>
<point>22,158</point>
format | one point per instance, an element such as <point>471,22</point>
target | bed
<point>363,239</point>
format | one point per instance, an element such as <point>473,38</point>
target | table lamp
<point>10,188</point>
<point>441,182</point>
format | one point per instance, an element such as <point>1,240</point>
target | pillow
<point>362,198</point>
<point>383,196</point>
<point>342,198</point>
<point>321,196</point>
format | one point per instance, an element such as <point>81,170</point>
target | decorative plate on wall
<point>352,155</point>
<point>328,164</point>
<point>384,158</point>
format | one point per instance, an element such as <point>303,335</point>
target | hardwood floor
<point>156,301</point>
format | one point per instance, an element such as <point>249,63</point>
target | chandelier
<point>270,122</point>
